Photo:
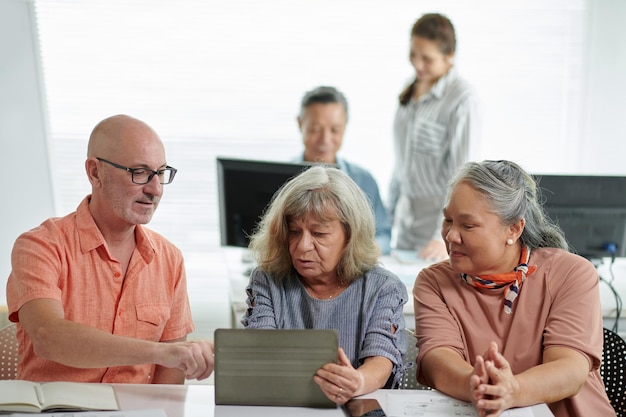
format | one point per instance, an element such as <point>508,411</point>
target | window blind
<point>219,78</point>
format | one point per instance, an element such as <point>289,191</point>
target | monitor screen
<point>245,189</point>
<point>591,211</point>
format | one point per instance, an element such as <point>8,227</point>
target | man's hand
<point>194,358</point>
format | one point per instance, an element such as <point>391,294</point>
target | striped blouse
<point>432,136</point>
<point>363,314</point>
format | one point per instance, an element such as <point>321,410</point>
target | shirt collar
<point>89,235</point>
<point>439,88</point>
<point>91,238</point>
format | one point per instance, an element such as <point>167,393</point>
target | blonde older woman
<point>317,268</point>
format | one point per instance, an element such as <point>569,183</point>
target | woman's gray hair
<point>326,193</point>
<point>512,194</point>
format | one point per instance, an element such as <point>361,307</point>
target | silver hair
<point>512,194</point>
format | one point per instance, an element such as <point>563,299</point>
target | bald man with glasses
<point>97,296</point>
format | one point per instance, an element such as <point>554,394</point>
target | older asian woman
<point>318,268</point>
<point>512,318</point>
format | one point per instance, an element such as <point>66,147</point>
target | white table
<point>199,401</point>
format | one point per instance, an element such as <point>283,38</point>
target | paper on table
<point>130,413</point>
<point>435,404</point>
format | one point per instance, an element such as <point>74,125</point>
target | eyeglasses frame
<point>132,172</point>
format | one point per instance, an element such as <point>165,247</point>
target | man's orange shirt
<point>67,259</point>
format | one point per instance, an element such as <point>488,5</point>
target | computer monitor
<point>245,188</point>
<point>591,211</point>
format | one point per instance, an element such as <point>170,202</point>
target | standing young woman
<point>437,121</point>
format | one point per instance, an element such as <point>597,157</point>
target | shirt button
<point>117,274</point>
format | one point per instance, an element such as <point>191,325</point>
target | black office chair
<point>613,369</point>
<point>409,376</point>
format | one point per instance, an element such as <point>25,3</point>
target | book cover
<point>33,397</point>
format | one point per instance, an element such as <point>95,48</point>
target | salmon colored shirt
<point>558,305</point>
<point>67,259</point>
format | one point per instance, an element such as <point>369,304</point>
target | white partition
<point>27,195</point>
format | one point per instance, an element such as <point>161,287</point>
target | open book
<point>33,397</point>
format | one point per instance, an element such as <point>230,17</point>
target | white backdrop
<point>226,78</point>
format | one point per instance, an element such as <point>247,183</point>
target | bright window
<point>226,77</point>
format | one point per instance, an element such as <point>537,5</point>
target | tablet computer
<point>272,367</point>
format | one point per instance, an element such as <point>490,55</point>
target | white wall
<point>25,174</point>
<point>25,166</point>
<point>604,135</point>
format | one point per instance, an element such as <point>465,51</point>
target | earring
<point>509,242</point>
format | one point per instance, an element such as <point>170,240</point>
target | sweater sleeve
<point>385,333</point>
<point>260,313</point>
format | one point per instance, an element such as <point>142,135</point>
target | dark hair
<point>324,95</point>
<point>438,28</point>
<point>434,27</point>
<point>512,194</point>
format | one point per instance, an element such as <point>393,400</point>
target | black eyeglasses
<point>144,175</point>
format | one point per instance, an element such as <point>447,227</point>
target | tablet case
<point>272,367</point>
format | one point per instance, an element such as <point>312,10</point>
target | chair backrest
<point>8,352</point>
<point>409,376</point>
<point>613,370</point>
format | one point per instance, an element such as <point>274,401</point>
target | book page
<point>131,413</point>
<point>18,395</point>
<point>79,396</point>
<point>435,404</point>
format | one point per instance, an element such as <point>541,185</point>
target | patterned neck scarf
<point>512,279</point>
